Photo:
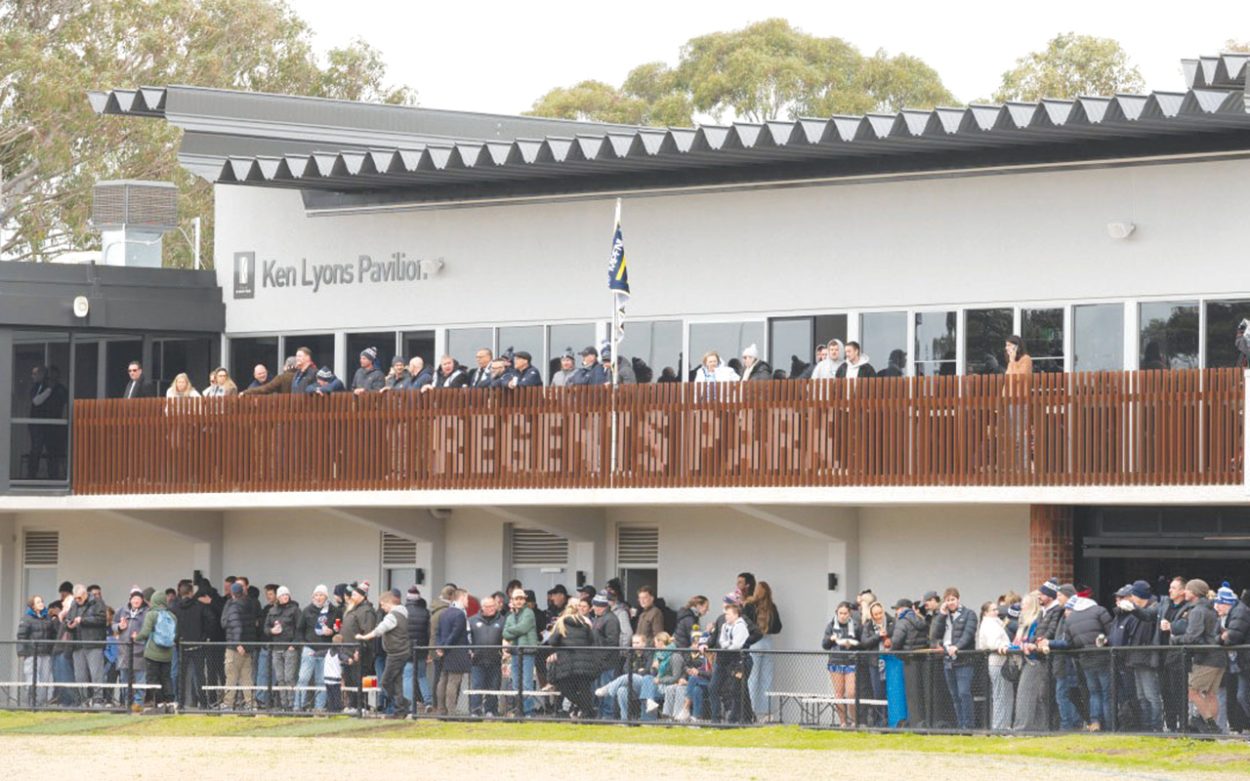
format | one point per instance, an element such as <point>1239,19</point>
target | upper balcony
<point>1108,429</point>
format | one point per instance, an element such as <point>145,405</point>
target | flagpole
<point>616,221</point>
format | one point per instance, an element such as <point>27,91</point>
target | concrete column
<point>1052,551</point>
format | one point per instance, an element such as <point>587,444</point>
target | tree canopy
<point>1071,65</point>
<point>53,147</point>
<point>764,71</point>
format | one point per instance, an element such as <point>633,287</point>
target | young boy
<point>332,671</point>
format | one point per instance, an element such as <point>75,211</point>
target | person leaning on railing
<point>910,637</point>
<point>1235,618</point>
<point>1086,625</point>
<point>279,384</point>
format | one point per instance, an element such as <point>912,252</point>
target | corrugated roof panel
<point>618,145</point>
<point>410,159</point>
<point>269,167</point>
<point>1126,108</point>
<point>747,133</point>
<point>677,141</point>
<point>323,163</point>
<point>298,165</point>
<point>587,147</point>
<point>949,120</point>
<point>496,152</point>
<point>1056,111</point>
<point>1163,104</point>
<point>709,138</point>
<point>1093,109</point>
<point>1020,114</point>
<point>779,132</point>
<point>524,150</point>
<point>909,122</point>
<point>813,131</point>
<point>554,149</point>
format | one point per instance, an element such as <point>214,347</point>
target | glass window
<point>247,354</point>
<point>523,337</point>
<point>322,348</point>
<point>463,344</point>
<point>935,343</point>
<point>86,369</point>
<point>792,340</point>
<point>985,333</point>
<point>1223,318</point>
<point>421,343</point>
<point>654,349</point>
<point>39,434</point>
<point>727,339</point>
<point>1098,338</point>
<point>573,337</point>
<point>118,355</point>
<point>884,335</point>
<point>171,357</point>
<point>384,341</point>
<point>1169,335</point>
<point>1042,331</point>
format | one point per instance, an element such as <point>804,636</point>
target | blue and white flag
<point>618,279</point>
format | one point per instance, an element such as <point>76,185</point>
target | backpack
<point>166,629</point>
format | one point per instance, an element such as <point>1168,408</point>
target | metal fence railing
<point>1140,690</point>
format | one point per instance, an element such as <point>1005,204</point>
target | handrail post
<point>1245,430</point>
<point>519,665</point>
<point>130,679</point>
<point>1115,725</point>
<point>34,676</point>
<point>181,676</point>
<point>360,683</point>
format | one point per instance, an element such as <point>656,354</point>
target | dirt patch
<point>237,759</point>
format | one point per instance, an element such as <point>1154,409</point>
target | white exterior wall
<point>890,244</point>
<point>906,551</point>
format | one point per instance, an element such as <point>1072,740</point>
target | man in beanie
<point>416,681</point>
<point>1202,630</point>
<point>624,371</point>
<point>281,626</point>
<point>397,377</point>
<point>393,629</point>
<point>441,603</point>
<point>1144,665</point>
<point>1235,620</point>
<point>239,620</point>
<point>568,365</point>
<point>359,618</point>
<point>326,383</point>
<point>316,628</point>
<point>911,635</point>
<point>369,378</point>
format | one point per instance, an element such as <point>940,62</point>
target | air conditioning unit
<point>132,217</point>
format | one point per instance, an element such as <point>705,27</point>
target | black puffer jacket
<point>189,613</point>
<point>963,633</point>
<point>910,633</point>
<point>483,633</point>
<point>1203,628</point>
<point>418,626</point>
<point>687,620</point>
<point>238,618</point>
<point>570,662</point>
<point>287,616</point>
<point>870,638</point>
<point>94,623</point>
<point>1082,626</point>
<point>1237,625</point>
<point>36,628</point>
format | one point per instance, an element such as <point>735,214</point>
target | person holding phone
<point>842,633</point>
<point>955,629</point>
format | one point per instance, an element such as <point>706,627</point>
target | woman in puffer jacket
<point>39,630</point>
<point>573,670</point>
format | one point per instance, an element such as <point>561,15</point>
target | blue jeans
<point>1146,683</point>
<point>423,683</point>
<point>761,679</point>
<point>959,683</point>
<point>1069,716</point>
<point>523,670</point>
<point>1243,692</point>
<point>262,676</point>
<point>643,687</point>
<point>1098,682</point>
<point>311,673</point>
<point>696,690</point>
<point>606,704</point>
<point>484,676</point>
<point>63,672</point>
<point>140,676</point>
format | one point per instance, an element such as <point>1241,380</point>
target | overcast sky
<point>499,56</point>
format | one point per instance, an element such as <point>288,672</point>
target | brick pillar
<point>1051,549</point>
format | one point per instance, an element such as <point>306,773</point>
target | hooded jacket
<point>36,627</point>
<point>910,632</point>
<point>191,623</point>
<point>1084,623</point>
<point>1237,625</point>
<point>687,620</point>
<point>860,368</point>
<point>458,378</point>
<point>152,651</point>
<point>316,624</point>
<point>574,663</point>
<point>418,627</point>
<point>828,368</point>
<point>134,623</point>
<point>759,371</point>
<point>238,618</point>
<point>360,620</point>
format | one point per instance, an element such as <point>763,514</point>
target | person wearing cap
<point>910,638</point>
<point>606,628</point>
<point>416,682</point>
<point>238,618</point>
<point>397,377</point>
<point>590,372</point>
<point>624,371</point>
<point>126,625</point>
<point>359,618</point>
<point>524,375</point>
<point>368,378</point>
<point>753,369</point>
<point>281,628</point>
<point>1235,622</point>
<point>1144,665</point>
<point>326,383</point>
<point>937,704</point>
<point>87,620</point>
<point>393,629</point>
<point>1202,629</point>
<point>315,631</point>
<point>1053,624</point>
<point>568,365</point>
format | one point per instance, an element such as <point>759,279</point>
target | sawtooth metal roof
<point>1222,71</point>
<point>354,150</point>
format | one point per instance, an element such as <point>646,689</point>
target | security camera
<point>1120,230</point>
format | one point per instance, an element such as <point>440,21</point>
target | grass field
<point>1125,753</point>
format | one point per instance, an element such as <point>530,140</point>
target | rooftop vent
<point>132,217</point>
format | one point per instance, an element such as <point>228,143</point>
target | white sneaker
<point>602,691</point>
<point>682,715</point>
<point>652,706</point>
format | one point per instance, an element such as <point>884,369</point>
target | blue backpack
<point>166,629</point>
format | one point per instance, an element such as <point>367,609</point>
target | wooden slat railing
<point>1100,429</point>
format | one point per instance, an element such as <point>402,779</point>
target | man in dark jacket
<point>450,375</point>
<point>1175,611</point>
<point>238,619</point>
<point>282,627</point>
<point>606,629</point>
<point>590,372</point>
<point>1235,620</point>
<point>1202,629</point>
<point>1145,664</point>
<point>369,378</point>
<point>192,633</point>
<point>856,364</point>
<point>955,629</point>
<point>316,629</point>
<point>910,637</point>
<point>419,375</point>
<point>415,679</point>
<point>524,375</point>
<point>326,383</point>
<point>1086,626</point>
<point>359,618</point>
<point>650,618</point>
<point>451,634</point>
<point>138,386</point>
<point>87,621</point>
<point>485,635</point>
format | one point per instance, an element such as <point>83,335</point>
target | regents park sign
<point>397,268</point>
